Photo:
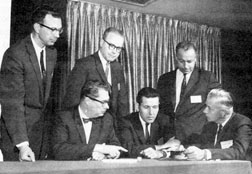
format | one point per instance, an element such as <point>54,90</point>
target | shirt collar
<point>103,60</point>
<point>38,49</point>
<point>181,75</point>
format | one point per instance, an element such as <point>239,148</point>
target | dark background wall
<point>236,55</point>
<point>237,68</point>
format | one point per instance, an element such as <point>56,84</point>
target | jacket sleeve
<point>12,93</point>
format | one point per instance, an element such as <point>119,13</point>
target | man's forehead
<point>102,93</point>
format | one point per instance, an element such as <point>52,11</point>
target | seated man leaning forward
<point>226,136</point>
<point>86,132</point>
<point>141,131</point>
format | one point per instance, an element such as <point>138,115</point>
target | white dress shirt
<point>87,126</point>
<point>104,64</point>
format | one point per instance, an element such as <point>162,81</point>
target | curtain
<point>150,42</point>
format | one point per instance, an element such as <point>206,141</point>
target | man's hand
<point>26,154</point>
<point>111,150</point>
<point>98,156</point>
<point>172,143</point>
<point>151,153</point>
<point>194,153</point>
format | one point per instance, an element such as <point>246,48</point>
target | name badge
<point>196,99</point>
<point>226,144</point>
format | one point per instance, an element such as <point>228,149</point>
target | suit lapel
<point>99,67</point>
<point>95,131</point>
<point>226,127</point>
<point>191,83</point>
<point>154,130</point>
<point>50,61</point>
<point>138,127</point>
<point>34,61</point>
<point>113,73</point>
<point>79,125</point>
<point>173,88</point>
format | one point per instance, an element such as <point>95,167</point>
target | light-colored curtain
<point>150,42</point>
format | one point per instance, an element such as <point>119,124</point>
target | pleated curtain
<point>150,42</point>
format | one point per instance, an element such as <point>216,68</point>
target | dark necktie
<point>42,65</point>
<point>147,136</point>
<point>219,129</point>
<point>183,87</point>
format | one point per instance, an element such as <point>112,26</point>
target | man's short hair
<point>147,92</point>
<point>91,88</point>
<point>223,97</point>
<point>112,30</point>
<point>185,45</point>
<point>39,13</point>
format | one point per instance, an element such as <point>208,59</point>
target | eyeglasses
<point>102,102</point>
<point>53,29</point>
<point>113,47</point>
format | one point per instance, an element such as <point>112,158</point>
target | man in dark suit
<point>103,67</point>
<point>25,83</point>
<point>142,131</point>
<point>226,136</point>
<point>183,92</point>
<point>86,132</point>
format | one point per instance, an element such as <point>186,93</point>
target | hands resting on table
<point>103,151</point>
<point>173,145</point>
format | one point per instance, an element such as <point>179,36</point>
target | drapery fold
<point>150,42</point>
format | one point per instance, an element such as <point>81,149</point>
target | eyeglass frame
<point>52,29</point>
<point>113,47</point>
<point>94,99</point>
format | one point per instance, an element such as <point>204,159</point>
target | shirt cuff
<point>208,154</point>
<point>25,143</point>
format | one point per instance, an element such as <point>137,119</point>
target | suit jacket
<point>237,130</point>
<point>132,134</point>
<point>69,141</point>
<point>23,98</point>
<point>90,68</point>
<point>189,117</point>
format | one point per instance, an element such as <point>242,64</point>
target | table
<point>146,166</point>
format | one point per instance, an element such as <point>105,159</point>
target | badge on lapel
<point>196,99</point>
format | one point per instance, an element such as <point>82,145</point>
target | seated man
<point>141,131</point>
<point>226,136</point>
<point>86,132</point>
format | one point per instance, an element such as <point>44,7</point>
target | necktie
<point>107,69</point>
<point>217,133</point>
<point>147,134</point>
<point>42,66</point>
<point>183,87</point>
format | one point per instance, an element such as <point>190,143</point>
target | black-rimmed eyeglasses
<point>53,29</point>
<point>113,47</point>
<point>102,102</point>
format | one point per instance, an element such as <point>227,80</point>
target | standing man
<point>86,131</point>
<point>183,92</point>
<point>103,67</point>
<point>226,136</point>
<point>25,83</point>
<point>142,131</point>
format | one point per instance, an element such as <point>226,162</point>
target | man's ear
<point>223,114</point>
<point>36,27</point>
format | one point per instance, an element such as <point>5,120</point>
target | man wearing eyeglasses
<point>103,67</point>
<point>25,82</point>
<point>86,131</point>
